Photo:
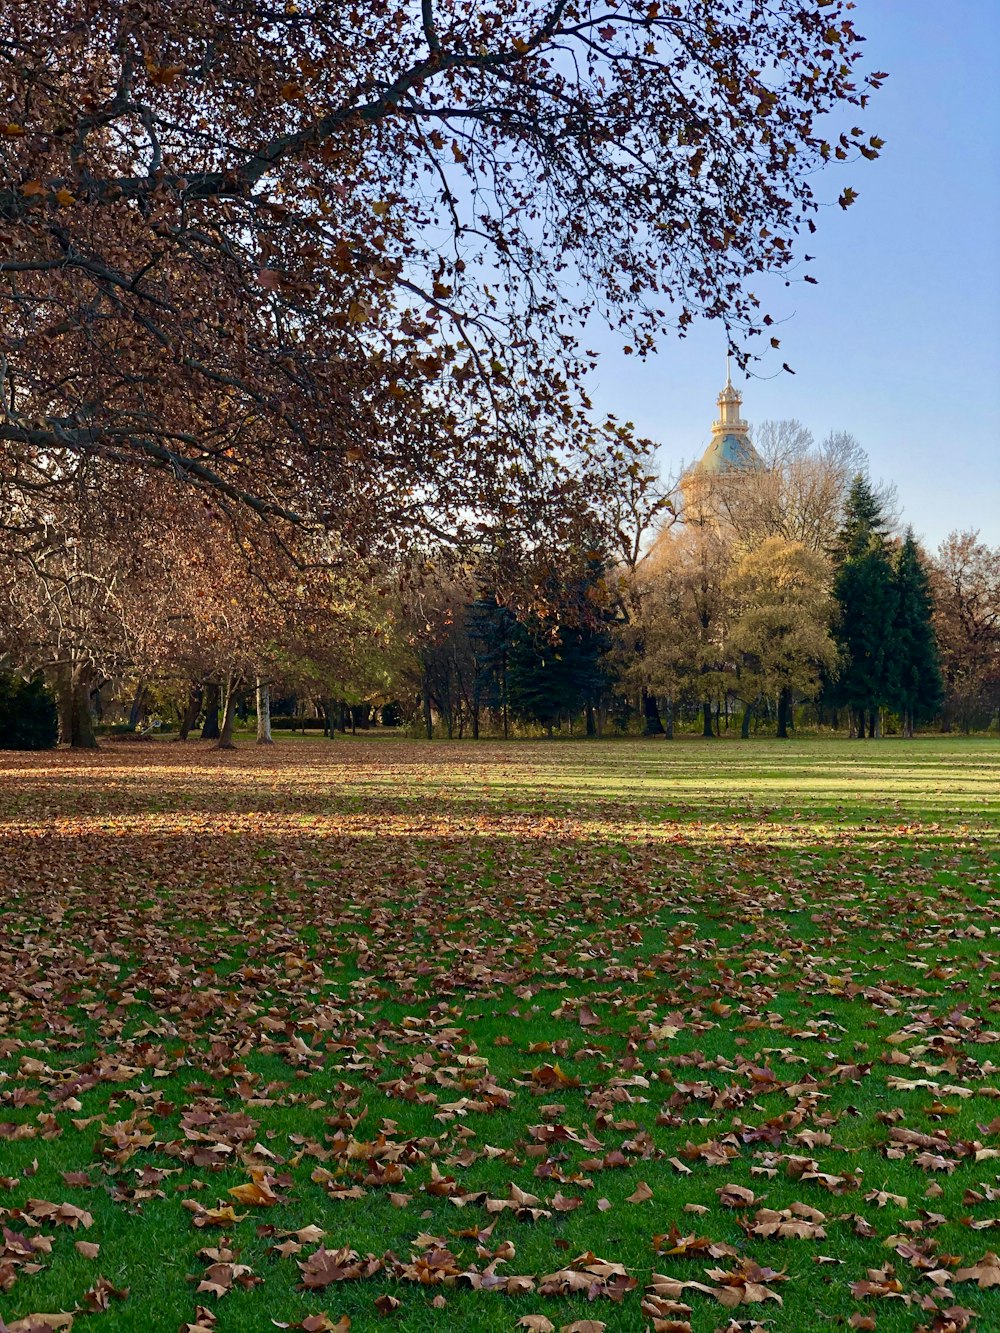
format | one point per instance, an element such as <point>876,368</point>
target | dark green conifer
<point>917,685</point>
<point>865,589</point>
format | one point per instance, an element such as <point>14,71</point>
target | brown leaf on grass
<point>219,1277</point>
<point>985,1273</point>
<point>536,1323</point>
<point>736,1196</point>
<point>591,1276</point>
<point>674,1243</point>
<point>798,1222</point>
<point>62,1214</point>
<point>744,1285</point>
<point>324,1267</point>
<point>258,1192</point>
<point>882,1197</point>
<point>552,1076</point>
<point>223,1216</point>
<point>387,1305</point>
<point>39,1323</point>
<point>204,1321</point>
<point>641,1194</point>
<point>559,1203</point>
<point>101,1294</point>
<point>880,1282</point>
<point>929,1161</point>
<point>668,1316</point>
<point>87,1248</point>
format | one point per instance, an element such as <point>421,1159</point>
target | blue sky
<point>899,342</point>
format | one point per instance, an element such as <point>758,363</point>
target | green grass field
<point>659,1035</point>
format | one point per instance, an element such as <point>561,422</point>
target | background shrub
<point>28,717</point>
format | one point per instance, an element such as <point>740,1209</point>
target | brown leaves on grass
<point>324,1267</point>
<point>354,1027</point>
<point>589,1276</point>
<point>746,1284</point>
<point>259,1192</point>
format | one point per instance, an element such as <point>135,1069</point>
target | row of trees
<point>291,372</point>
<point>741,595</point>
<point>159,607</point>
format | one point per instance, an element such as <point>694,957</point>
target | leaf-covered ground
<point>374,1034</point>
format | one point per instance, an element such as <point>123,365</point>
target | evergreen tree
<point>917,685</point>
<point>865,589</point>
<point>492,631</point>
<point>864,520</point>
<point>549,678</point>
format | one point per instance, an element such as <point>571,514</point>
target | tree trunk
<point>784,705</point>
<point>228,715</point>
<point>264,736</point>
<point>747,719</point>
<point>210,727</point>
<point>590,726</point>
<point>871,723</point>
<point>64,703</point>
<point>706,721</point>
<point>428,719</point>
<point>136,710</point>
<point>191,712</point>
<point>81,733</point>
<point>652,726</point>
<point>877,719</point>
<point>669,724</point>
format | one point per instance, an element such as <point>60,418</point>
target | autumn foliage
<point>332,262</point>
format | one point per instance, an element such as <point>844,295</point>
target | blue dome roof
<point>726,452</point>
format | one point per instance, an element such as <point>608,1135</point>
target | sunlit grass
<point>805,908</point>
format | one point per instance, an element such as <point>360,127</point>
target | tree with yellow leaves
<point>779,636</point>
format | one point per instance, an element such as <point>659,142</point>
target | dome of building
<point>729,452</point>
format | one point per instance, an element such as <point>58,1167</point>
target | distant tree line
<point>749,599</point>
<point>784,594</point>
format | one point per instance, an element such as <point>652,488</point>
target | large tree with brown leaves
<point>330,261</point>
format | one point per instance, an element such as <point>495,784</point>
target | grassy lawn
<point>659,1035</point>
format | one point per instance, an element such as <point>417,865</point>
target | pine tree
<point>864,519</point>
<point>549,678</point>
<point>917,686</point>
<point>864,587</point>
<point>492,631</point>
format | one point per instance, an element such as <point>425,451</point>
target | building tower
<point>730,452</point>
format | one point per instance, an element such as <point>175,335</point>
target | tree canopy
<point>330,261</point>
